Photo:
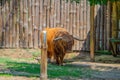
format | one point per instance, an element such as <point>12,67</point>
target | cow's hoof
<point>62,64</point>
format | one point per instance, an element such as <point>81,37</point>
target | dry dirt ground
<point>108,65</point>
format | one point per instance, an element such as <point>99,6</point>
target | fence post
<point>43,67</point>
<point>92,38</point>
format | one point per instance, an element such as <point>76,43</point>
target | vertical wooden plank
<point>97,26</point>
<point>73,23</point>
<point>70,18</point>
<point>14,21</point>
<point>36,6</point>
<point>25,25</point>
<point>101,28</point>
<point>41,15</point>
<point>38,23</point>
<point>114,22</point>
<point>64,19</point>
<point>41,19</point>
<point>1,20</point>
<point>61,13</point>
<point>105,27</point>
<point>118,18</point>
<point>82,19</point>
<point>67,15</point>
<point>7,25</point>
<point>108,23</point>
<point>44,14</point>
<point>0,24</point>
<point>81,25</point>
<point>92,55</point>
<point>77,24</point>
<point>57,13</point>
<point>33,21</point>
<point>48,13</point>
<point>21,42</point>
<point>10,25</point>
<point>52,13</point>
<point>3,25</point>
<point>43,66</point>
<point>17,24</point>
<point>102,32</point>
<point>88,26</point>
<point>84,24</point>
<point>30,42</point>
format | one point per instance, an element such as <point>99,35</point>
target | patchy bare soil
<point>18,78</point>
<point>107,65</point>
<point>17,53</point>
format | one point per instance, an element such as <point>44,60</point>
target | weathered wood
<point>85,23</point>
<point>17,24</point>
<point>44,14</point>
<point>21,42</point>
<point>33,21</point>
<point>14,23</point>
<point>41,19</point>
<point>55,13</point>
<point>67,15</point>
<point>88,26</point>
<point>0,25</point>
<point>101,28</point>
<point>36,7</point>
<point>43,66</point>
<point>92,40</point>
<point>77,24</point>
<point>7,26</point>
<point>39,14</point>
<point>97,27</point>
<point>3,26</point>
<point>58,13</point>
<point>30,42</point>
<point>114,22</point>
<point>52,13</point>
<point>25,24</point>
<point>48,13</point>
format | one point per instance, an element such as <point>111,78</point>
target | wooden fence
<point>21,22</point>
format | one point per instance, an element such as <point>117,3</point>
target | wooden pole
<point>108,24</point>
<point>92,40</point>
<point>43,75</point>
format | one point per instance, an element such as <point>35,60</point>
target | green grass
<point>5,74</point>
<point>33,69</point>
<point>106,52</point>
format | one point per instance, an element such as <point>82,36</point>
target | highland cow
<point>59,41</point>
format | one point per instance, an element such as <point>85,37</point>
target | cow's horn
<point>58,38</point>
<point>76,38</point>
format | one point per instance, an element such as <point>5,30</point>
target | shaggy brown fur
<point>57,47</point>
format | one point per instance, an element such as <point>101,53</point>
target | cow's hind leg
<point>61,59</point>
<point>58,61</point>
